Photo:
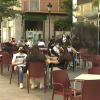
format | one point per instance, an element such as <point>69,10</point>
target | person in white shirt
<point>56,50</point>
<point>64,38</point>
<point>30,43</point>
<point>18,61</point>
<point>41,43</point>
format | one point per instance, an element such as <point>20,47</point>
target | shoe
<point>41,86</point>
<point>33,87</point>
<point>21,85</point>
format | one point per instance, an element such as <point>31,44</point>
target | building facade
<point>34,22</point>
<point>86,25</point>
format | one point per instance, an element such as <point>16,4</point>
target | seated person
<point>55,51</point>
<point>70,49</point>
<point>41,43</point>
<point>35,56</point>
<point>29,43</point>
<point>13,41</point>
<point>19,61</point>
<point>64,56</point>
<point>21,42</point>
<point>7,47</point>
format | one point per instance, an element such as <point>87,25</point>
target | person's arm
<point>54,62</point>
<point>73,50</point>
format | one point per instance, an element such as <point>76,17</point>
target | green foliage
<point>65,23</point>
<point>96,3</point>
<point>6,9</point>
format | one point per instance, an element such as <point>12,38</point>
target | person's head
<point>57,45</point>
<point>68,43</point>
<point>13,38</point>
<point>41,40</point>
<point>8,44</point>
<point>52,37</point>
<point>21,49</point>
<point>35,50</point>
<point>30,39</point>
<point>64,53</point>
<point>25,40</point>
<point>21,39</point>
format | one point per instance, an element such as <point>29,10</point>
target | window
<point>25,5</point>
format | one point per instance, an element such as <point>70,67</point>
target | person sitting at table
<point>55,51</point>
<point>18,61</point>
<point>41,43</point>
<point>7,47</point>
<point>35,56</point>
<point>64,56</point>
<point>13,41</point>
<point>21,42</point>
<point>71,50</point>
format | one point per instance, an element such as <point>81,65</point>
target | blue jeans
<point>20,74</point>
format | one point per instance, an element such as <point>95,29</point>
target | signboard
<point>34,35</point>
<point>36,17</point>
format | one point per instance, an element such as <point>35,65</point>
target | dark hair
<point>67,43</point>
<point>65,55</point>
<point>25,40</point>
<point>35,50</point>
<point>13,38</point>
<point>8,44</point>
<point>41,39</point>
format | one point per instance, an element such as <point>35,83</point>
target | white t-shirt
<point>64,39</point>
<point>56,49</point>
<point>69,49</point>
<point>30,44</point>
<point>41,43</point>
<point>18,58</point>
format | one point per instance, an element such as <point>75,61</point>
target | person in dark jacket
<point>8,47</point>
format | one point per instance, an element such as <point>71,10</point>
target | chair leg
<point>8,68</point>
<point>18,78</point>
<point>10,77</point>
<point>28,84</point>
<point>44,84</point>
<point>2,69</point>
<point>52,95</point>
<point>67,98</point>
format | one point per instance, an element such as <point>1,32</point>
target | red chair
<point>27,49</point>
<point>14,48</point>
<point>5,59</point>
<point>14,71</point>
<point>37,70</point>
<point>90,91</point>
<point>87,58</point>
<point>94,70</point>
<point>61,84</point>
<point>96,61</point>
<point>42,46</point>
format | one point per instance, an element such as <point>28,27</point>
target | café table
<point>83,77</point>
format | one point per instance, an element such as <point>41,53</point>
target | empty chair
<point>37,70</point>
<point>96,61</point>
<point>61,84</point>
<point>94,70</point>
<point>14,71</point>
<point>5,59</point>
<point>90,91</point>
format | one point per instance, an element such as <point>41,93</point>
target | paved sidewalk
<point>12,92</point>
